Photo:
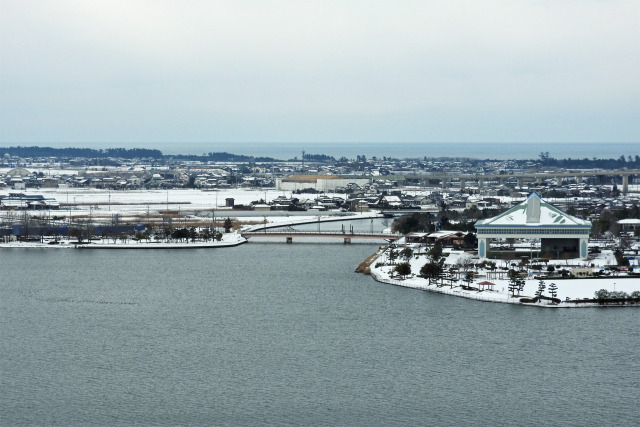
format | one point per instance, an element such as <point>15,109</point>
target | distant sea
<point>289,150</point>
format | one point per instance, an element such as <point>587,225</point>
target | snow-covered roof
<point>533,212</point>
<point>443,233</point>
<point>629,221</point>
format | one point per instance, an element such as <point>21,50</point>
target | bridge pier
<point>625,184</point>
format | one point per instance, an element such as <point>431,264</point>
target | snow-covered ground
<point>140,205</point>
<point>571,289</point>
<point>138,200</point>
<point>228,240</point>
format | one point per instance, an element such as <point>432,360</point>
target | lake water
<point>275,334</point>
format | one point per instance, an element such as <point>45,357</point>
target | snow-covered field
<point>137,200</point>
<point>138,205</point>
<point>572,289</point>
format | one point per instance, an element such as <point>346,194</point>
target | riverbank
<point>228,240</point>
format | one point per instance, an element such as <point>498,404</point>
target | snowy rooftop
<point>533,212</point>
<point>443,233</point>
<point>629,221</point>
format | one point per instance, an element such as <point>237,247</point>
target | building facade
<point>559,233</point>
<point>323,183</point>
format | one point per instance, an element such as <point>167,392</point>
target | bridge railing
<point>331,233</point>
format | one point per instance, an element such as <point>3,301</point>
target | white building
<point>534,218</point>
<point>325,183</point>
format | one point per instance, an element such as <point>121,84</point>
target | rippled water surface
<point>274,334</point>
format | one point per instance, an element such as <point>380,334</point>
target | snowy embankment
<point>568,290</point>
<point>228,240</point>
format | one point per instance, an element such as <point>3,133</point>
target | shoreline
<point>475,295</point>
<point>575,292</point>
<point>228,241</point>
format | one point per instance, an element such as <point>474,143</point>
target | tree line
<point>621,162</point>
<point>123,153</point>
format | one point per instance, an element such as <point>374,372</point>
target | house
<point>389,202</point>
<point>416,237</point>
<point>629,224</point>
<point>20,201</point>
<point>446,237</point>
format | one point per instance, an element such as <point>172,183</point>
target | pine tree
<point>468,278</point>
<point>403,269</point>
<point>227,225</point>
<point>435,252</point>
<point>431,270</point>
<point>541,288</point>
<point>393,255</point>
<point>513,281</point>
<point>407,253</point>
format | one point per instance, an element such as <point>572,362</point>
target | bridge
<point>521,178</point>
<point>347,236</point>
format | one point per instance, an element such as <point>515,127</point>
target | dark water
<point>274,334</point>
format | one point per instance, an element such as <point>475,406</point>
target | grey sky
<point>304,70</point>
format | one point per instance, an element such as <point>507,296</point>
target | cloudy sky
<point>125,71</point>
